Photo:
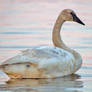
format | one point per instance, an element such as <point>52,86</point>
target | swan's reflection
<point>65,84</point>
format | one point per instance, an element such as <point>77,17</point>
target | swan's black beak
<point>76,19</point>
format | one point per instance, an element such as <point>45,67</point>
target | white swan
<point>46,62</point>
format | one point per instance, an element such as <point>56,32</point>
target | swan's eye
<point>28,65</point>
<point>73,15</point>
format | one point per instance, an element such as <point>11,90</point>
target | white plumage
<point>55,61</point>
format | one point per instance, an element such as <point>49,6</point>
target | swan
<point>46,61</point>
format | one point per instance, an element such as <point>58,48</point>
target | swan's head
<point>69,15</point>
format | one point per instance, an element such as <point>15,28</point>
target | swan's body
<point>42,62</point>
<point>46,62</point>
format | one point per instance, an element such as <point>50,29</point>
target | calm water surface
<point>29,23</point>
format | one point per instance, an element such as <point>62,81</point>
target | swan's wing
<point>25,56</point>
<point>42,55</point>
<point>34,55</point>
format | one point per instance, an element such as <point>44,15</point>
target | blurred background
<point>29,23</point>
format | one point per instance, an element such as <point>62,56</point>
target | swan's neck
<point>57,41</point>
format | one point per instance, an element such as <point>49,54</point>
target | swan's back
<point>40,54</point>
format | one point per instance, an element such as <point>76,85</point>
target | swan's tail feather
<point>3,77</point>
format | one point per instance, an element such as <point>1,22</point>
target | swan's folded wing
<point>40,55</point>
<point>29,55</point>
<point>20,58</point>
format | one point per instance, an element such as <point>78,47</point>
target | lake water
<point>29,23</point>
